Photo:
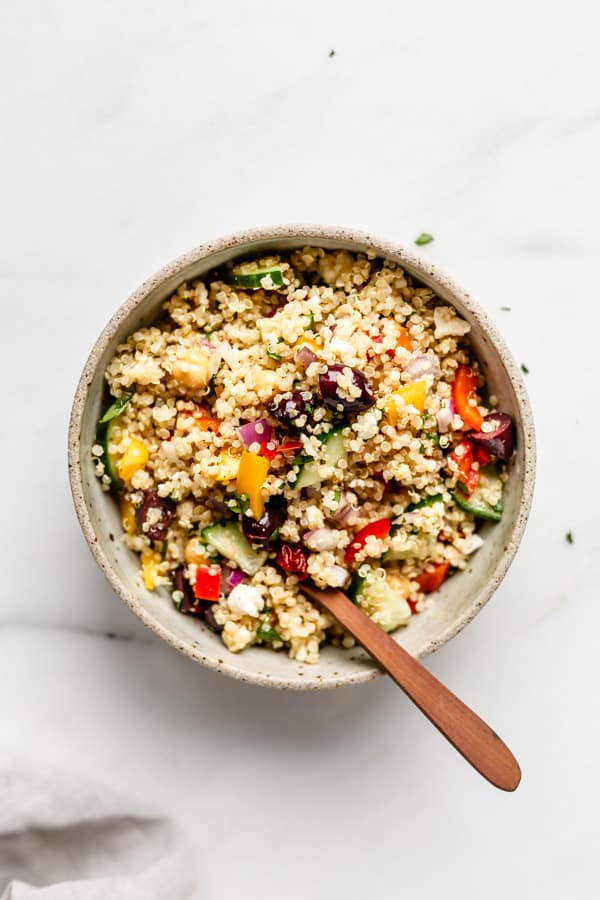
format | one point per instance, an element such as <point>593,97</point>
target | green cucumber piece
<point>308,476</point>
<point>385,606</point>
<point>332,453</point>
<point>103,437</point>
<point>476,504</point>
<point>251,275</point>
<point>334,448</point>
<point>422,547</point>
<point>104,434</point>
<point>228,539</point>
<point>356,586</point>
<point>426,501</point>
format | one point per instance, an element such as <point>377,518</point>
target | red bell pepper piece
<point>292,558</point>
<point>463,457</point>
<point>464,389</point>
<point>286,447</point>
<point>379,529</point>
<point>481,455</point>
<point>431,581</point>
<point>208,583</point>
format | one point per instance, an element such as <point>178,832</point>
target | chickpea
<point>195,553</point>
<point>192,369</point>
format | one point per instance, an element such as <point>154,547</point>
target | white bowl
<point>460,598</point>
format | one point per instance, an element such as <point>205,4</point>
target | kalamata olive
<point>263,530</point>
<point>497,435</point>
<point>156,514</point>
<point>293,409</point>
<point>187,603</point>
<point>209,618</point>
<point>344,395</point>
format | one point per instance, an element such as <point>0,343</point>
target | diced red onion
<point>271,312</point>
<point>230,578</point>
<point>321,539</point>
<point>345,513</point>
<point>305,356</point>
<point>258,432</point>
<point>422,364</point>
<point>444,416</point>
<point>236,577</point>
<point>336,576</point>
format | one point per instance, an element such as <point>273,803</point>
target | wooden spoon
<point>475,740</point>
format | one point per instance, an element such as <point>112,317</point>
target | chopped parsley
<point>423,239</point>
<point>569,537</point>
<point>524,369</point>
<point>266,633</point>
<point>272,355</point>
<point>238,504</point>
<point>116,408</point>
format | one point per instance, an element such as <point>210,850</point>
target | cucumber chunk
<point>383,603</point>
<point>413,546</point>
<point>309,476</point>
<point>104,433</point>
<point>478,503</point>
<point>332,453</point>
<point>266,274</point>
<point>426,501</point>
<point>334,448</point>
<point>228,539</point>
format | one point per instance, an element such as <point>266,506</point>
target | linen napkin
<point>63,837</point>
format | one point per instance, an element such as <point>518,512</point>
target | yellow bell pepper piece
<point>251,476</point>
<point>309,342</point>
<point>134,459</point>
<point>228,466</point>
<point>413,394</point>
<point>150,567</point>
<point>128,516</point>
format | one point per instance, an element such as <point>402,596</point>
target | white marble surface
<point>133,131</point>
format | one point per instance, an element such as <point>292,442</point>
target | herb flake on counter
<point>506,308</point>
<point>524,369</point>
<point>331,53</point>
<point>569,537</point>
<point>423,239</point>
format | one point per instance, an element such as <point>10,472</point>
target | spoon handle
<point>475,740</point>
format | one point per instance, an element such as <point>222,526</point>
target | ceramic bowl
<point>460,598</point>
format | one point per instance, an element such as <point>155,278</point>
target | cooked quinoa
<point>315,414</point>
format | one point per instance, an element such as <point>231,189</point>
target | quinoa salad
<point>306,415</point>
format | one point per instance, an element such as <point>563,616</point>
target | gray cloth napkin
<point>63,837</point>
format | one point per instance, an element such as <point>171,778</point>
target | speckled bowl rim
<point>308,234</point>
